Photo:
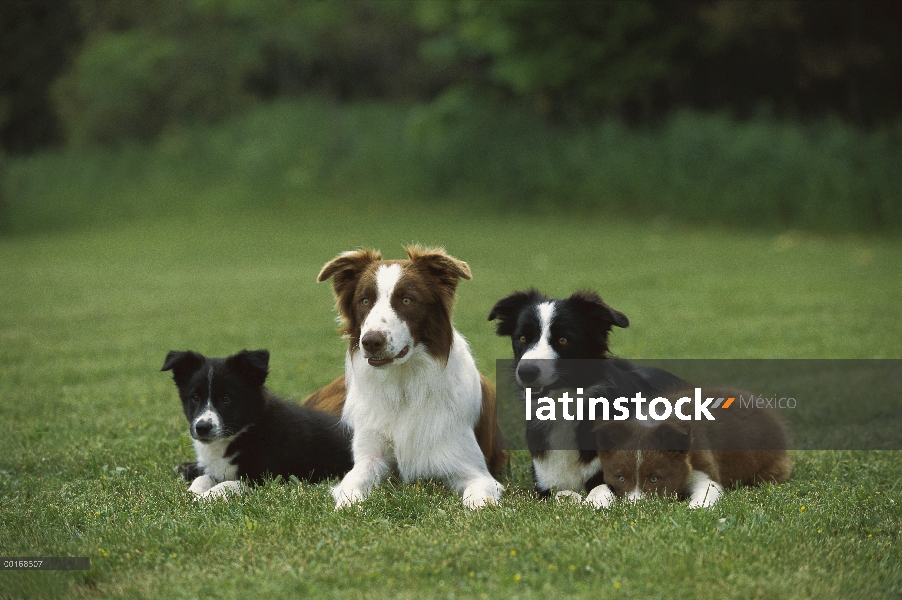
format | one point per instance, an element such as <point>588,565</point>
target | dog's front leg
<point>222,491</point>
<point>478,489</point>
<point>600,496</point>
<point>468,475</point>
<point>201,484</point>
<point>372,463</point>
<point>703,492</point>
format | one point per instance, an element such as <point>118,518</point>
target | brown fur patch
<point>330,399</point>
<point>433,275</point>
<point>345,271</point>
<point>488,434</point>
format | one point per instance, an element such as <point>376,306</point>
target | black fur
<point>273,437</point>
<point>585,321</point>
<point>583,318</point>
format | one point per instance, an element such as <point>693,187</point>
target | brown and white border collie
<point>413,397</point>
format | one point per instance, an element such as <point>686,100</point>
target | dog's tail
<point>488,433</point>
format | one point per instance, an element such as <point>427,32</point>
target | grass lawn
<point>91,429</point>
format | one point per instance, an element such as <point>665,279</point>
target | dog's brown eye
<point>226,399</point>
<point>406,301</point>
<point>621,479</point>
<point>365,302</point>
<point>562,341</point>
<point>195,398</point>
<point>522,339</point>
<point>654,479</point>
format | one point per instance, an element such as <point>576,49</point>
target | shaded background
<point>744,113</point>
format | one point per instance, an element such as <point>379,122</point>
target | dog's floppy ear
<point>250,365</point>
<point>345,270</point>
<point>592,306</point>
<point>676,437</point>
<point>347,264</point>
<point>439,264</point>
<point>507,309</point>
<point>599,317</point>
<point>183,364</point>
<point>445,270</point>
<point>612,435</point>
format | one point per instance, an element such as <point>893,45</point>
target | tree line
<point>97,71</point>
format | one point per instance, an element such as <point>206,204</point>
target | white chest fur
<point>563,469</point>
<point>212,459</point>
<point>424,411</point>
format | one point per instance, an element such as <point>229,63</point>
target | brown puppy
<point>694,459</point>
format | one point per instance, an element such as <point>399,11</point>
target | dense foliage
<point>110,70</point>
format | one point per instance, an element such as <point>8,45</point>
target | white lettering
<point>638,400</point>
<point>702,407</point>
<point>545,413</point>
<point>623,413</point>
<point>579,404</point>
<point>679,409</point>
<point>667,409</point>
<point>565,401</point>
<point>606,414</point>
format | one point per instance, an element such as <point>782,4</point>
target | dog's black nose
<point>528,372</point>
<point>203,428</point>
<point>373,342</point>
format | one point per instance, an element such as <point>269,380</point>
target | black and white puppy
<point>548,335</point>
<point>242,432</point>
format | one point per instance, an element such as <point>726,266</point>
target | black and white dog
<point>548,336</point>
<point>242,432</point>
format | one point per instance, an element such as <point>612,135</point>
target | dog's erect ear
<point>183,364</point>
<point>507,309</point>
<point>447,269</point>
<point>613,435</point>
<point>250,365</point>
<point>675,437</point>
<point>592,306</point>
<point>345,270</point>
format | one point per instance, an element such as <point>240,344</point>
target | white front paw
<point>201,484</point>
<point>706,499</point>
<point>485,492</point>
<point>345,496</point>
<point>222,491</point>
<point>601,496</point>
<point>478,501</point>
<point>568,496</point>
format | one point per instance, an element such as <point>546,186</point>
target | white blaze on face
<point>383,318</point>
<point>541,351</point>
<point>636,494</point>
<point>209,414</point>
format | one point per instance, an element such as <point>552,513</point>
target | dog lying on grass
<point>694,460</point>
<point>242,432</point>
<point>411,392</point>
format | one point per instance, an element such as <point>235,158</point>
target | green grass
<point>86,318</point>
<point>693,168</point>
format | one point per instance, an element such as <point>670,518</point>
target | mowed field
<point>91,430</point>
